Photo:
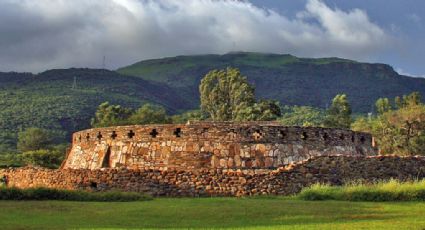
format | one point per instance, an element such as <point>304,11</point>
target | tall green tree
<point>109,115</point>
<point>149,114</point>
<point>225,94</point>
<point>383,105</point>
<point>34,139</point>
<point>339,114</point>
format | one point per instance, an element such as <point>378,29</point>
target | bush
<point>392,190</point>
<point>11,160</point>
<point>44,158</point>
<point>71,195</point>
<point>49,158</point>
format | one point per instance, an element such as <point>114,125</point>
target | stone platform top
<point>197,145</point>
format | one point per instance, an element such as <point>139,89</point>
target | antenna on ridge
<point>74,84</point>
<point>103,64</point>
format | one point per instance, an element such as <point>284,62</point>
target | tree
<point>109,115</point>
<point>408,100</point>
<point>264,110</point>
<point>34,139</point>
<point>225,93</point>
<point>383,105</point>
<point>149,114</point>
<point>50,158</point>
<point>302,116</point>
<point>407,126</point>
<point>339,114</point>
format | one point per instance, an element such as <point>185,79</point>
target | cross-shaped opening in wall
<point>232,133</point>
<point>131,134</point>
<point>114,135</point>
<point>304,136</point>
<point>154,133</point>
<point>282,134</point>
<point>204,132</point>
<point>257,135</point>
<point>177,132</point>
<point>88,137</point>
<point>325,136</point>
<point>99,135</point>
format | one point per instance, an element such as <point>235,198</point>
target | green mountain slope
<point>48,99</point>
<point>289,79</point>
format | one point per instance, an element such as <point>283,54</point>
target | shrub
<point>71,195</point>
<point>382,191</point>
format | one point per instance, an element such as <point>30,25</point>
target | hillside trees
<point>34,139</point>
<point>149,114</point>
<point>302,116</point>
<point>397,131</point>
<point>226,95</point>
<point>194,115</point>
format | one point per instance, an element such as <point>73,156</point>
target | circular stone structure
<point>200,145</point>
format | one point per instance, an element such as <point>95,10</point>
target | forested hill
<point>49,99</point>
<point>289,79</point>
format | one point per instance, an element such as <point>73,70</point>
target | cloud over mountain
<point>43,34</point>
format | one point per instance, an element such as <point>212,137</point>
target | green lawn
<point>253,213</point>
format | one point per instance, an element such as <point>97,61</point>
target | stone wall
<point>335,170</point>
<point>210,145</point>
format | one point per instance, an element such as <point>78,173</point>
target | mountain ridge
<point>276,75</point>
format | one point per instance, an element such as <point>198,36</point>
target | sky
<point>47,34</point>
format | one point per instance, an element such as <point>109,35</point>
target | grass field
<point>251,213</point>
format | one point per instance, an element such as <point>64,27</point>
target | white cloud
<point>402,72</point>
<point>43,34</point>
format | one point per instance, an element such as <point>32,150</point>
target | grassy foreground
<point>251,213</point>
